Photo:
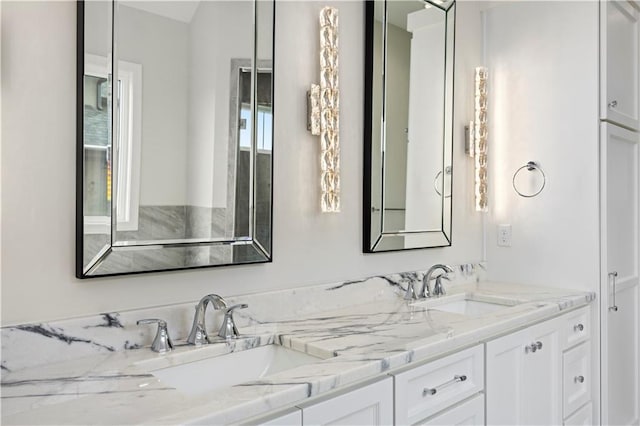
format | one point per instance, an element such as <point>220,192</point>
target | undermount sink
<point>465,305</point>
<point>222,371</point>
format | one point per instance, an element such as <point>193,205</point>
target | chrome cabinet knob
<point>579,379</point>
<point>613,104</point>
<point>578,327</point>
<point>162,342</point>
<point>535,346</point>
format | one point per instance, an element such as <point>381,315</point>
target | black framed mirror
<point>409,65</point>
<point>174,135</point>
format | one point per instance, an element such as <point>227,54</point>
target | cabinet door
<point>523,385</point>
<point>620,279</point>
<point>543,376</point>
<point>369,405</point>
<point>620,62</point>
<point>505,377</point>
<point>468,413</point>
<point>582,417</point>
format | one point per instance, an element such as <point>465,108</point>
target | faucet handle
<point>411,293</point>
<point>234,307</point>
<point>162,342</point>
<point>441,277</point>
<point>438,288</point>
<point>228,329</point>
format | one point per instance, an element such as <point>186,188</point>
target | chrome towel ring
<point>530,166</point>
<point>447,171</point>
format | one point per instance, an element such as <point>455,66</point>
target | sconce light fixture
<point>323,109</point>
<point>480,138</point>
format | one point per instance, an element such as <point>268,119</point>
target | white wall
<point>543,91</point>
<point>209,93</point>
<point>396,111</point>
<point>161,46</point>
<point>426,115</point>
<point>38,172</point>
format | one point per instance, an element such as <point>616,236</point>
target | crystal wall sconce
<point>479,133</point>
<point>323,110</point>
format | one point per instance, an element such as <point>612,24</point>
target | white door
<point>523,377</point>
<point>369,405</point>
<point>619,197</point>
<point>620,63</point>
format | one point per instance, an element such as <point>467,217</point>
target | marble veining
<point>376,333</point>
<point>115,331</point>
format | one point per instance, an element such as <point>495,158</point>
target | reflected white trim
<point>128,146</point>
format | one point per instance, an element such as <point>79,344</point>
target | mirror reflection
<point>408,129</point>
<point>177,134</point>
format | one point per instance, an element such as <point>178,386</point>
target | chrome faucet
<point>439,289</point>
<point>198,334</point>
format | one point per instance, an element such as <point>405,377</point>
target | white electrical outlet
<point>504,235</point>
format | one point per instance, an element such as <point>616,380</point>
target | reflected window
<point>99,151</point>
<point>263,131</point>
<point>264,118</point>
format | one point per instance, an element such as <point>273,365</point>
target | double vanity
<point>482,353</point>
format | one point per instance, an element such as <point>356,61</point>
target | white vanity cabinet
<point>289,417</point>
<point>582,417</point>
<point>542,374</point>
<point>620,62</point>
<point>423,391</point>
<point>539,375</point>
<point>467,413</point>
<point>370,405</point>
<point>524,376</point>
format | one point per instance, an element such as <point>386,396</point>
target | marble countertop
<point>355,343</point>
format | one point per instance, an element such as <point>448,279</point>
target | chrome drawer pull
<point>433,391</point>
<point>579,379</point>
<point>533,347</point>
<point>578,327</point>
<point>613,104</point>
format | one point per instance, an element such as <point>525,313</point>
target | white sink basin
<point>231,369</point>
<point>465,305</point>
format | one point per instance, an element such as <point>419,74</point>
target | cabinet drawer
<point>425,390</point>
<point>577,327</point>
<point>468,413</point>
<point>577,380</point>
<point>368,405</point>
<point>582,417</point>
<point>288,417</point>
